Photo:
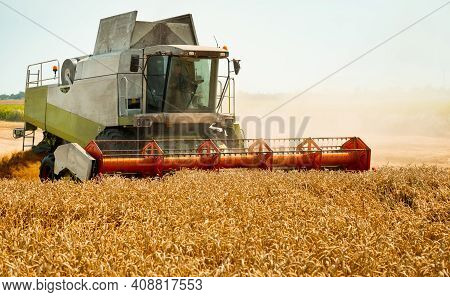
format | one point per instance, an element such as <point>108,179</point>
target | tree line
<point>19,95</point>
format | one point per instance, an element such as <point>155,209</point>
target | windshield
<point>191,85</point>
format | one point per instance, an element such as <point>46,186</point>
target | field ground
<point>12,102</point>
<point>7,143</point>
<point>11,112</point>
<point>391,222</point>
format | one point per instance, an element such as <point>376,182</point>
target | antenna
<point>217,44</point>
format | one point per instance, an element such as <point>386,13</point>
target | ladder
<point>30,135</point>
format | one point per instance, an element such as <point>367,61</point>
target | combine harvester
<point>150,100</point>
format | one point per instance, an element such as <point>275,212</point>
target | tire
<point>46,170</point>
<point>111,134</point>
<point>117,134</point>
<point>48,144</point>
<point>65,174</point>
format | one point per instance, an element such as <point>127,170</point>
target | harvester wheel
<point>46,171</point>
<point>116,134</point>
<point>66,175</point>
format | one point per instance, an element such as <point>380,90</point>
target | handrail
<point>228,92</point>
<point>126,85</point>
<point>123,104</point>
<point>39,80</point>
<point>225,87</point>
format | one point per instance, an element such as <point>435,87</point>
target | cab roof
<point>187,50</point>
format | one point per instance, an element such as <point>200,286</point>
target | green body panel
<point>71,127</point>
<point>126,121</point>
<point>35,106</point>
<point>29,126</point>
<point>238,131</point>
<point>238,134</point>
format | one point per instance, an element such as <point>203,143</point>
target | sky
<point>285,46</point>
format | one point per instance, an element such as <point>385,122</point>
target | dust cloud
<point>402,127</point>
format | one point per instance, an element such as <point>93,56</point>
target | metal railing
<point>39,79</point>
<point>228,104</point>
<point>188,147</point>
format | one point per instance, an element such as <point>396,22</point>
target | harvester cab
<point>151,100</point>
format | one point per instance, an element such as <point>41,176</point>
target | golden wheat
<point>392,222</point>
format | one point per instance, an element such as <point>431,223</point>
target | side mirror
<point>134,63</point>
<point>237,66</point>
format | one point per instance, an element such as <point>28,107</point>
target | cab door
<point>156,80</point>
<point>130,88</point>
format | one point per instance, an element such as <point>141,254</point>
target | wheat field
<point>11,112</point>
<point>389,222</point>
